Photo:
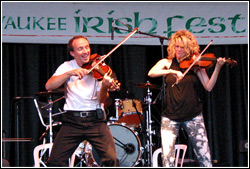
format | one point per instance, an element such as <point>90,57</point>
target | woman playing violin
<point>183,105</point>
<point>84,99</point>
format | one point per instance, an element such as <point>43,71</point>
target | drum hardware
<point>159,96</point>
<point>58,113</point>
<point>52,102</point>
<point>49,108</point>
<point>149,131</point>
<point>50,120</point>
<point>117,105</point>
<point>50,105</point>
<point>58,92</point>
<point>138,113</point>
<point>129,148</point>
<point>147,85</point>
<point>80,152</point>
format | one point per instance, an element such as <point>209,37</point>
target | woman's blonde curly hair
<point>191,46</point>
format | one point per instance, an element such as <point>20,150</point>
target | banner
<point>57,22</point>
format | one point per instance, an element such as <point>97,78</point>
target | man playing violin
<point>84,99</point>
<point>183,105</point>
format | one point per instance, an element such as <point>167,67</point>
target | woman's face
<point>179,50</point>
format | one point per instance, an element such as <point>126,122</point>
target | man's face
<point>81,51</point>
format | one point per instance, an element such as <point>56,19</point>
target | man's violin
<point>206,61</point>
<point>100,70</point>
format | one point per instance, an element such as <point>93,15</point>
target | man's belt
<point>90,113</point>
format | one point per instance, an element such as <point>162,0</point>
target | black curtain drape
<point>27,67</point>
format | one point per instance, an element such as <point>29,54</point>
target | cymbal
<point>146,85</point>
<point>51,92</point>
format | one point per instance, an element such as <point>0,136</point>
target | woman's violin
<point>100,70</point>
<point>206,61</point>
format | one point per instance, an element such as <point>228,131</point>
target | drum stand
<point>80,155</point>
<point>50,105</point>
<point>149,131</point>
<point>50,120</point>
<point>117,105</point>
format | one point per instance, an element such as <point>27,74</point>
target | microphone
<point>112,33</point>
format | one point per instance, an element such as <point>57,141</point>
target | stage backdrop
<point>56,22</point>
<point>34,45</point>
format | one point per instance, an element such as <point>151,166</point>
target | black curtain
<point>27,67</point>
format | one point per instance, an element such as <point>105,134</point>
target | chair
<point>155,157</point>
<point>38,153</point>
<point>40,150</point>
<point>178,148</point>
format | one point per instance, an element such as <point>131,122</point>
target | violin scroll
<point>231,62</point>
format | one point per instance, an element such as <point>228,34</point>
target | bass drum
<point>128,147</point>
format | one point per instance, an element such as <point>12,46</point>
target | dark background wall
<point>27,67</point>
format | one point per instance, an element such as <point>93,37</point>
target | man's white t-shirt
<point>80,94</point>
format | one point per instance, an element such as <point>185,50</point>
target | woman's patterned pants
<point>196,131</point>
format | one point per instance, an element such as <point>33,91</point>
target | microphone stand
<point>163,88</point>
<point>161,38</point>
<point>148,97</point>
<point>17,100</point>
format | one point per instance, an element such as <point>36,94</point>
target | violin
<point>100,70</point>
<point>206,61</point>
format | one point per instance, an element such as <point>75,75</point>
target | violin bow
<point>117,46</point>
<point>196,60</point>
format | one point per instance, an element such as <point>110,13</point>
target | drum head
<point>127,146</point>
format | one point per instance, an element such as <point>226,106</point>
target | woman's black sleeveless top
<point>182,102</point>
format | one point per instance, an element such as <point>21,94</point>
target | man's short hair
<point>69,46</point>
